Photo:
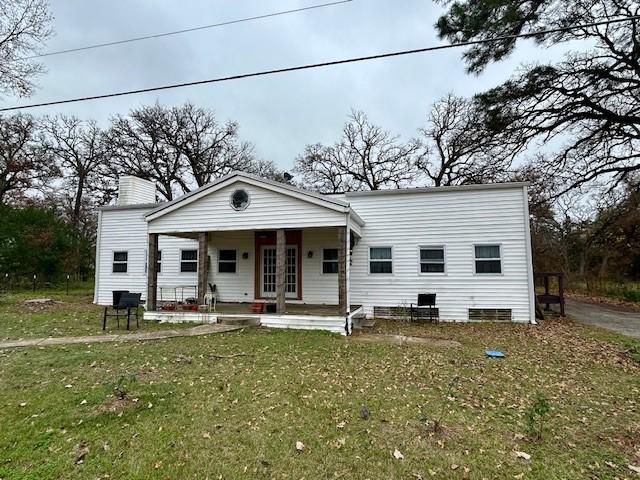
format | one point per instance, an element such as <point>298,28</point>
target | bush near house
<point>36,240</point>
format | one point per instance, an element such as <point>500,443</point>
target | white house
<point>322,259</point>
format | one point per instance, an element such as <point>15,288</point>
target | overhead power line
<point>186,30</point>
<point>319,65</point>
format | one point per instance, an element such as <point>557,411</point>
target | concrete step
<point>363,323</point>
<point>241,321</point>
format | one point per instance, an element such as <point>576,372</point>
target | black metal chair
<point>126,302</point>
<point>425,300</point>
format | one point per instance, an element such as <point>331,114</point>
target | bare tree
<point>269,170</point>
<point>22,160</point>
<point>367,157</point>
<point>179,148</point>
<point>589,102</point>
<point>317,173</point>
<point>458,149</point>
<point>77,148</point>
<point>207,148</point>
<point>24,27</point>
<point>137,146</point>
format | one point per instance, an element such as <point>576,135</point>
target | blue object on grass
<point>494,354</point>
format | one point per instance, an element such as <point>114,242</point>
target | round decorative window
<point>239,199</point>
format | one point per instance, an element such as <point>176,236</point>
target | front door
<point>268,272</point>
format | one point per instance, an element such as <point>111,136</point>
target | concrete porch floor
<point>224,308</point>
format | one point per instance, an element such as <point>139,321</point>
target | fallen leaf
<point>397,455</point>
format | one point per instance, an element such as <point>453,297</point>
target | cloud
<point>281,113</point>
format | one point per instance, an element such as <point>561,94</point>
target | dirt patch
<point>405,340</point>
<point>113,404</point>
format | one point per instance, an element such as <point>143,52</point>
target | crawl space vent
<point>490,314</point>
<point>404,313</point>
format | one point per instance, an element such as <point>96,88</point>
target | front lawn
<point>71,314</point>
<point>234,405</point>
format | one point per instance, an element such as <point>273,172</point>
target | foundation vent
<point>490,314</point>
<point>404,313</point>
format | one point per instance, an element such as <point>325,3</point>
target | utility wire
<point>186,30</point>
<point>320,65</point>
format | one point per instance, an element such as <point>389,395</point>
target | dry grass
<point>188,414</point>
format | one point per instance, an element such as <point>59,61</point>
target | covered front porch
<point>256,243</point>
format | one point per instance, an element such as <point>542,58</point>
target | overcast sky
<point>279,114</point>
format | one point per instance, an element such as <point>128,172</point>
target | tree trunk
<point>152,272</point>
<point>203,265</point>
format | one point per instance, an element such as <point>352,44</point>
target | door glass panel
<point>292,270</point>
<point>269,272</point>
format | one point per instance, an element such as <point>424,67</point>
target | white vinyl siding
<point>126,229</point>
<point>455,219</point>
<point>267,210</point>
<point>458,220</point>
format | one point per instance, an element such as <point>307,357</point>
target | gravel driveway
<point>612,317</point>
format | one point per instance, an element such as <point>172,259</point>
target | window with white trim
<point>189,261</point>
<point>227,261</point>
<point>431,259</point>
<point>120,261</point>
<point>380,260</point>
<point>329,260</point>
<point>488,259</point>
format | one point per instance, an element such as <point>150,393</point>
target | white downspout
<point>96,280</point>
<point>347,257</point>
<point>531,284</point>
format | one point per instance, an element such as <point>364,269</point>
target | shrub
<point>535,416</point>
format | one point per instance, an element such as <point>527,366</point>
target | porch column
<point>152,272</point>
<point>342,271</point>
<point>281,273</point>
<point>203,265</point>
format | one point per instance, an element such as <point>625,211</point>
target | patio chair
<point>425,300</point>
<point>126,302</point>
